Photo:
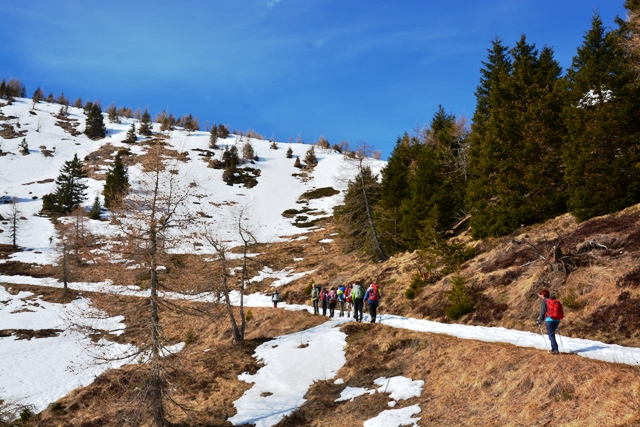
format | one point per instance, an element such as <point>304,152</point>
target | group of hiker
<point>346,298</point>
<point>353,297</point>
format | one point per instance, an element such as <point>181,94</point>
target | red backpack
<point>554,309</point>
<point>374,292</point>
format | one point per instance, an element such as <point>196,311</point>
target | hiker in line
<point>275,298</point>
<point>348,299</point>
<point>372,298</point>
<point>550,314</point>
<point>341,299</point>
<point>315,299</point>
<point>357,294</point>
<point>324,297</point>
<point>332,298</point>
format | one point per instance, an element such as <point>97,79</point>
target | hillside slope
<point>593,266</point>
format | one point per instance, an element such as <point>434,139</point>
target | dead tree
<point>243,229</point>
<point>15,218</point>
<point>150,220</point>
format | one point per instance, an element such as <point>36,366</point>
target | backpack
<point>357,292</point>
<point>315,293</point>
<point>374,292</point>
<point>347,294</point>
<point>341,293</point>
<point>332,296</point>
<point>554,309</point>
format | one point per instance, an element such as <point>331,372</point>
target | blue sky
<point>356,70</point>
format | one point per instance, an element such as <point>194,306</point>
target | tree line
<point>541,143</point>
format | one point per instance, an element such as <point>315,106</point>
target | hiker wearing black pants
<point>357,294</point>
<point>549,316</point>
<point>372,297</point>
<point>324,299</point>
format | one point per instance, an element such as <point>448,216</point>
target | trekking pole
<point>541,333</point>
<point>560,336</point>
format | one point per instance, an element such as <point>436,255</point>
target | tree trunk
<point>374,232</point>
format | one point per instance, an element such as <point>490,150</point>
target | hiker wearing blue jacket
<point>372,298</point>
<point>550,314</point>
<point>341,299</point>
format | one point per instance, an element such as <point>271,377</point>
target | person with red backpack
<point>551,314</point>
<point>348,298</point>
<point>332,297</point>
<point>372,298</point>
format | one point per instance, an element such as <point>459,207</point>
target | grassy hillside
<point>466,382</point>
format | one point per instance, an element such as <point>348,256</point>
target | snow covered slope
<point>26,178</point>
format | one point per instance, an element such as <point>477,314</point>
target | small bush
<point>57,408</point>
<point>460,298</point>
<point>571,301</point>
<point>415,287</point>
<point>248,315</point>
<point>190,338</point>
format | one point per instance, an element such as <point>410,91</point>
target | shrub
<point>571,301</point>
<point>460,298</point>
<point>190,338</point>
<point>248,315</point>
<point>415,287</point>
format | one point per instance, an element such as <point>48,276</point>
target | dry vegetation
<point>593,266</point>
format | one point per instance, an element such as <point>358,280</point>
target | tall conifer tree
<point>71,189</point>
<point>116,184</point>
<point>601,155</point>
<point>95,128</point>
<point>517,132</point>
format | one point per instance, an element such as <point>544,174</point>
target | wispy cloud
<point>271,3</point>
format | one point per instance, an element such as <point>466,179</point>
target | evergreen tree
<point>70,190</point>
<point>223,131</point>
<point>94,213</point>
<point>517,132</point>
<point>95,128</point>
<point>289,153</point>
<point>131,135</point>
<point>601,155</point>
<point>310,157</point>
<point>356,219</point>
<point>146,125</point>
<point>213,138</point>
<point>230,156</point>
<point>116,184</point>
<point>38,96</point>
<point>394,189</point>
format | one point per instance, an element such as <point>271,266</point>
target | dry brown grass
<point>470,383</point>
<point>203,377</point>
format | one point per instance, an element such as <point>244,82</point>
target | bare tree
<point>150,221</point>
<point>15,218</point>
<point>224,272</point>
